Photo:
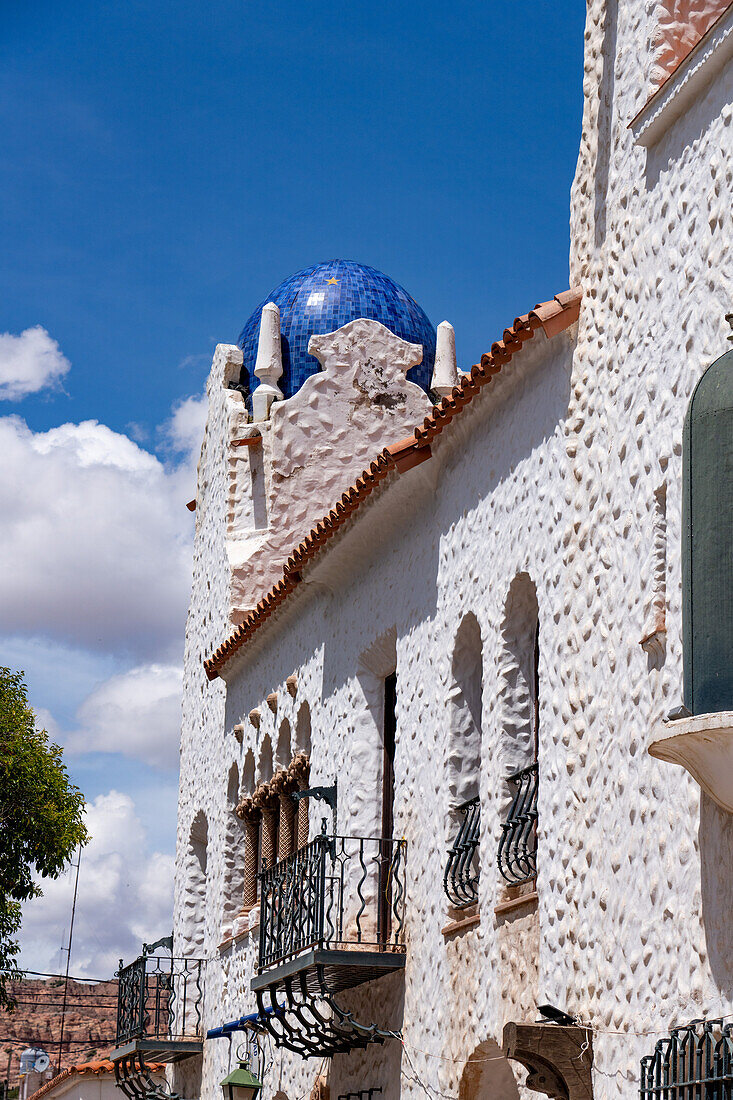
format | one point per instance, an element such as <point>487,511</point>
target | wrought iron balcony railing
<point>159,997</point>
<point>518,845</point>
<point>694,1063</point>
<point>336,892</point>
<point>460,879</point>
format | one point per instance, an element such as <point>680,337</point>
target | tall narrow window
<point>517,855</point>
<point>461,872</point>
<point>283,785</point>
<point>267,802</point>
<point>250,816</point>
<point>707,562</point>
<point>303,753</point>
<point>388,753</point>
<point>235,852</point>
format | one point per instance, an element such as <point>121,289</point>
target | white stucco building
<point>414,598</point>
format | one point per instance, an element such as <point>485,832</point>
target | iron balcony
<point>159,1006</point>
<point>332,917</point>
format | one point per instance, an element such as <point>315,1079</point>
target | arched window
<point>283,753</point>
<point>707,562</point>
<point>461,874</point>
<point>234,855</point>
<point>302,756</point>
<point>194,918</point>
<point>250,815</point>
<point>284,786</point>
<point>520,714</point>
<point>488,1075</point>
<point>266,766</point>
<point>268,803</point>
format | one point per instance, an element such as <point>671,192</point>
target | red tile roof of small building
<point>553,317</point>
<point>97,1068</point>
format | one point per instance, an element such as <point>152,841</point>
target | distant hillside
<point>89,1023</point>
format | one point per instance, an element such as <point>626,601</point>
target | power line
<point>101,1040</point>
<point>58,1004</point>
<point>46,974</point>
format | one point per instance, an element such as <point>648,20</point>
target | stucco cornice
<point>684,84</point>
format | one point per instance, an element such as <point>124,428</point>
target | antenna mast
<point>68,960</point>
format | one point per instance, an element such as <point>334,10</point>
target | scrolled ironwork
<point>159,997</point>
<point>517,857</point>
<point>328,893</point>
<point>134,1078</point>
<point>461,875</point>
<point>312,1023</point>
<point>695,1062</point>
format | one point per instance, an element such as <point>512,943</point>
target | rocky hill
<point>89,1022</point>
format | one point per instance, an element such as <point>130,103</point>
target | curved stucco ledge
<point>703,744</point>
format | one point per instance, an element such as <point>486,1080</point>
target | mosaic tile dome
<point>326,296</point>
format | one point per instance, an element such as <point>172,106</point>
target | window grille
<point>518,845</point>
<point>460,879</point>
<point>694,1063</point>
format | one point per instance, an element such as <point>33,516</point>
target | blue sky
<point>163,166</point>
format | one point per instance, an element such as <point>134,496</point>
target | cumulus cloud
<point>185,429</point>
<point>96,541</point>
<point>125,897</point>
<point>137,714</point>
<point>30,362</point>
<point>96,552</point>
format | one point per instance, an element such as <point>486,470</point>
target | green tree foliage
<point>41,815</point>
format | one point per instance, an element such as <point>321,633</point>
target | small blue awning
<point>252,1022</point>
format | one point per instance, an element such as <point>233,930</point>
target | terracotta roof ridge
<point>97,1067</point>
<point>553,317</point>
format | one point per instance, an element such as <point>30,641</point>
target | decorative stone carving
<point>292,686</point>
<point>559,1059</point>
<point>254,717</point>
<point>272,701</point>
<point>322,438</point>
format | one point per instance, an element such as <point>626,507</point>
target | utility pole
<point>68,961</point>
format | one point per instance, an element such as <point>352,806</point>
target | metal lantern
<point>241,1084</point>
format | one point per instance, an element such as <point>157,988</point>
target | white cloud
<point>125,897</point>
<point>185,429</point>
<point>137,714</point>
<point>96,540</point>
<point>30,362</point>
<point>96,553</point>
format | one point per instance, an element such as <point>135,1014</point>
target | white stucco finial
<point>445,372</point>
<point>269,364</point>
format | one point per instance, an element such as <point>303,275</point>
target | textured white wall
<point>552,472</point>
<point>650,242</point>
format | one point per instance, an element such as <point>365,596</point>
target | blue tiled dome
<point>326,296</point>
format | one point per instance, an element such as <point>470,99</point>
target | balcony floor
<point>334,970</point>
<point>160,1050</point>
